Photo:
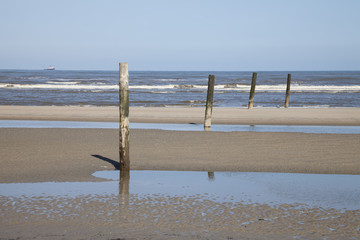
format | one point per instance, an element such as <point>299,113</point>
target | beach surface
<point>72,155</point>
<point>260,116</point>
<point>35,155</point>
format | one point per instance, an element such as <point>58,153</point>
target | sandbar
<point>255,116</point>
<point>35,155</point>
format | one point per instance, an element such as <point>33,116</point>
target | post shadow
<point>124,182</point>
<point>105,159</point>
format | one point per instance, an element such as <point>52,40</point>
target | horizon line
<point>41,69</point>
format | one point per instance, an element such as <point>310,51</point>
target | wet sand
<point>162,217</point>
<point>41,155</point>
<point>35,155</point>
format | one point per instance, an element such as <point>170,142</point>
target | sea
<point>309,89</point>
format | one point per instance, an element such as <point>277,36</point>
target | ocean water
<point>179,88</point>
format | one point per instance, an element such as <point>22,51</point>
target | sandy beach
<point>77,153</point>
<point>72,155</point>
<point>287,168</point>
<point>283,116</point>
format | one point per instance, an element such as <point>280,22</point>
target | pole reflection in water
<point>124,182</point>
<point>124,186</point>
<point>211,176</point>
<point>320,190</point>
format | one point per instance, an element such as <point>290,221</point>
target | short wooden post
<point>209,102</point>
<point>287,91</point>
<point>124,118</point>
<point>252,91</point>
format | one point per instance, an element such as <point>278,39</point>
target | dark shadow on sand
<point>114,163</point>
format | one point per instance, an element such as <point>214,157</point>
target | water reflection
<point>320,190</point>
<point>124,196</point>
<point>124,183</point>
<point>188,214</point>
<point>207,129</point>
<point>211,176</point>
<point>191,202</point>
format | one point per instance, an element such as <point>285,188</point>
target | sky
<point>188,35</point>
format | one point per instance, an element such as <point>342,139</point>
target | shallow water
<point>187,205</point>
<point>183,127</point>
<point>326,191</point>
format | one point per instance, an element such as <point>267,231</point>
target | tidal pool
<point>183,127</point>
<point>326,191</point>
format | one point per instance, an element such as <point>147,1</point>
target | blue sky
<point>253,35</point>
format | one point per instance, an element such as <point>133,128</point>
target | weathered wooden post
<point>252,91</point>
<point>124,119</point>
<point>209,102</point>
<point>287,91</point>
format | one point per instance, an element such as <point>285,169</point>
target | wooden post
<point>287,91</point>
<point>252,91</point>
<point>209,102</point>
<point>124,118</point>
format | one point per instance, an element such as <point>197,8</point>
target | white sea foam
<point>162,92</point>
<point>299,88</point>
<point>220,87</point>
<point>58,86</point>
<point>170,86</point>
<point>63,83</point>
<point>171,79</point>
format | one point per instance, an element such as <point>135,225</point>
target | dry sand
<point>40,155</point>
<point>290,116</point>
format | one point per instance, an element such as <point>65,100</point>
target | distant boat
<point>50,68</point>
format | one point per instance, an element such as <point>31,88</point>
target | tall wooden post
<point>124,118</point>
<point>252,91</point>
<point>287,91</point>
<point>209,102</point>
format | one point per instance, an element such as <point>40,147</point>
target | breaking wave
<point>220,87</point>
